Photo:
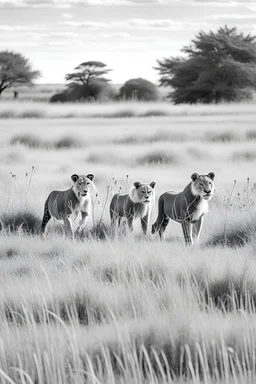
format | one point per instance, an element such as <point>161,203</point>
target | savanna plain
<point>106,308</point>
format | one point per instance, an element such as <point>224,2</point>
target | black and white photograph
<point>127,191</point>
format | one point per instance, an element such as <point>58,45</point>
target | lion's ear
<point>211,175</point>
<point>194,176</point>
<point>137,184</point>
<point>152,184</point>
<point>90,176</point>
<point>74,177</point>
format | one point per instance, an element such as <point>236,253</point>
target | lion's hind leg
<point>46,217</point>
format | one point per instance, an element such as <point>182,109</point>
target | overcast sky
<point>128,35</point>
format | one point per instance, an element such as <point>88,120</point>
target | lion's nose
<point>85,192</point>
<point>207,192</point>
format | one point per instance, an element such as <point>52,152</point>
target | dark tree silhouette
<point>15,70</point>
<point>85,72</point>
<point>95,90</point>
<point>218,66</point>
<point>139,89</point>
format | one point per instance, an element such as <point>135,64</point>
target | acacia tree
<point>15,70</point>
<point>217,66</point>
<point>87,71</point>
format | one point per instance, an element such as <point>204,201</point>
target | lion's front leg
<point>130,222</point>
<point>69,226</point>
<point>187,231</point>
<point>83,221</point>
<point>197,227</point>
<point>144,224</point>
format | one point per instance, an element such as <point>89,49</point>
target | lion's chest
<point>85,204</point>
<point>139,210</point>
<point>201,210</point>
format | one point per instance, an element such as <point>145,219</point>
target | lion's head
<point>143,193</point>
<point>203,185</point>
<point>82,184</point>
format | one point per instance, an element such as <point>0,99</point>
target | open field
<point>128,309</point>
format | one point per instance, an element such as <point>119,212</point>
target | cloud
<point>84,3</point>
<point>165,24</point>
<point>67,16</point>
<point>234,16</point>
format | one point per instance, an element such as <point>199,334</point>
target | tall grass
<point>126,308</point>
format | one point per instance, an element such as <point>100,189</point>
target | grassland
<point>127,309</point>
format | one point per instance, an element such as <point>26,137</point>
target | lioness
<point>137,204</point>
<point>66,205</point>
<point>187,207</point>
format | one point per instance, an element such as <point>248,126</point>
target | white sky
<point>127,35</point>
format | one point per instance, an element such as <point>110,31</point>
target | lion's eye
<point>149,192</point>
<point>88,183</point>
<point>79,183</point>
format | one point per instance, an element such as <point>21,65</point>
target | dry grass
<point>127,109</point>
<point>109,308</point>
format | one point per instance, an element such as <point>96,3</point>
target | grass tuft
<point>157,158</point>
<point>67,142</point>
<point>236,235</point>
<point>20,221</point>
<point>28,140</point>
<point>222,137</point>
<point>244,156</point>
<point>251,135</point>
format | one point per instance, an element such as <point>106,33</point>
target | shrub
<point>233,236</point>
<point>154,113</point>
<point>32,115</point>
<point>26,221</point>
<point>27,140</point>
<point>244,156</point>
<point>59,98</point>
<point>157,157</point>
<point>223,137</point>
<point>95,90</point>
<point>67,142</point>
<point>251,135</point>
<point>139,89</point>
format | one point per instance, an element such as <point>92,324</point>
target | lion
<point>135,205</point>
<point>67,205</point>
<point>187,207</point>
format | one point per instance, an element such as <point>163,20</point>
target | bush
<point>244,156</point>
<point>95,90</point>
<point>139,89</point>
<point>26,221</point>
<point>27,140</point>
<point>234,237</point>
<point>59,98</point>
<point>223,137</point>
<point>251,135</point>
<point>66,142</point>
<point>157,157</point>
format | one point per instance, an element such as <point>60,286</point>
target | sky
<point>127,35</point>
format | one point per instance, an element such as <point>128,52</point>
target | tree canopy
<point>15,70</point>
<point>87,71</point>
<point>217,66</point>
<point>139,89</point>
